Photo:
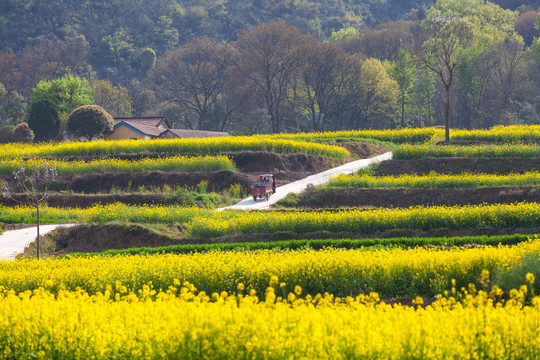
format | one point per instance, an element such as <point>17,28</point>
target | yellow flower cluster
<point>183,324</point>
<point>406,151</point>
<point>205,223</point>
<point>397,136</point>
<point>198,146</point>
<point>393,272</point>
<point>435,180</point>
<point>175,163</point>
<point>499,133</point>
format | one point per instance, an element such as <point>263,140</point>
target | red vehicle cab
<point>264,188</point>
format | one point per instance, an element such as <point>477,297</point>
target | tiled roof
<point>145,129</point>
<point>186,133</point>
<point>147,121</point>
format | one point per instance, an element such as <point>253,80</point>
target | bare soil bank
<point>458,165</point>
<point>393,198</point>
<point>98,238</point>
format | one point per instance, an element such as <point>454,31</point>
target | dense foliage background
<point>126,48</point>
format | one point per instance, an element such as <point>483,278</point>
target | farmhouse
<point>153,128</point>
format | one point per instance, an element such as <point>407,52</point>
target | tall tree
<point>403,72</point>
<point>43,119</point>
<point>270,57</point>
<point>193,77</point>
<point>439,49</point>
<point>325,78</point>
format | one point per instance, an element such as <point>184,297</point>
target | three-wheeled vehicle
<point>264,188</point>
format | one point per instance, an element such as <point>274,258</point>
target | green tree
<point>12,107</point>
<point>114,99</point>
<point>43,119</point>
<point>67,93</point>
<point>403,72</point>
<point>90,121</point>
<point>376,97</point>
<point>148,59</point>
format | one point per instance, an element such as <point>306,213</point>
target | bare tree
<point>270,56</point>
<point>34,187</point>
<point>438,49</point>
<point>193,77</point>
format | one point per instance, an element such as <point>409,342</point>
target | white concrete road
<point>300,185</point>
<point>13,242</point>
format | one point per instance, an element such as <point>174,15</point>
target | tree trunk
<point>447,114</point>
<point>37,240</point>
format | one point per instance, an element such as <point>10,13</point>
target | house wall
<point>123,132</point>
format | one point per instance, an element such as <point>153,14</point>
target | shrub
<point>90,121</point>
<point>22,133</point>
<point>44,120</point>
<point>6,134</point>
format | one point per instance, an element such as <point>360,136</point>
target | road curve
<point>13,242</point>
<point>300,185</point>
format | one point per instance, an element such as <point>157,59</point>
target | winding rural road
<point>301,185</point>
<point>13,242</point>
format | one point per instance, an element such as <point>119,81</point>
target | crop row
<point>435,180</point>
<point>176,163</point>
<point>503,134</point>
<point>198,146</point>
<point>408,152</point>
<point>392,272</point>
<point>181,324</point>
<point>396,136</point>
<point>208,224</point>
<point>317,244</point>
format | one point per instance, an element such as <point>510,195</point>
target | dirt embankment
<point>403,198</point>
<point>98,238</point>
<point>458,165</point>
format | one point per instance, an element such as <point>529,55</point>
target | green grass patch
<point>318,244</point>
<point>409,152</point>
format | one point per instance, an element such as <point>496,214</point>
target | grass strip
<point>317,244</point>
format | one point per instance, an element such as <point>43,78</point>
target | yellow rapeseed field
<point>393,272</point>
<point>175,163</point>
<point>500,133</point>
<point>206,223</point>
<point>183,324</point>
<point>407,151</point>
<point>435,180</point>
<point>398,136</point>
<point>197,146</point>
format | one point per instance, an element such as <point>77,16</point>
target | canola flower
<point>500,134</point>
<point>197,146</point>
<point>435,181</point>
<point>207,224</point>
<point>408,152</point>
<point>182,324</point>
<point>397,136</point>
<point>393,272</point>
<point>175,163</point>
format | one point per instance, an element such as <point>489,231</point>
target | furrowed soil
<point>457,165</point>
<point>403,198</point>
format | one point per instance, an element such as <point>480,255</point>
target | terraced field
<point>431,255</point>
